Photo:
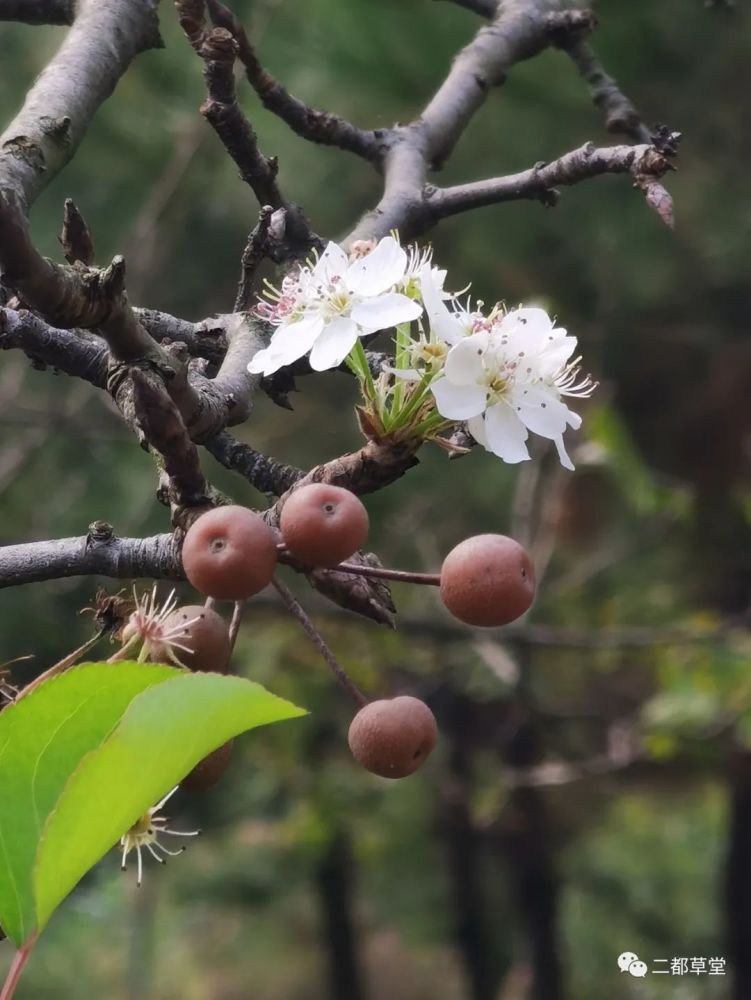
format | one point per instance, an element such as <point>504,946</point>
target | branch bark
<point>99,553</point>
<point>106,36</point>
<point>539,182</point>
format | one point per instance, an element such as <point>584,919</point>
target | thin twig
<point>61,665</point>
<point>236,622</point>
<point>296,610</point>
<point>310,123</point>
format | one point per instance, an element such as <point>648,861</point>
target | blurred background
<point>591,793</point>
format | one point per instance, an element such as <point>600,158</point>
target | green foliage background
<point>653,529</point>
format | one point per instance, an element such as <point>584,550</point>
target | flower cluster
<point>503,373</point>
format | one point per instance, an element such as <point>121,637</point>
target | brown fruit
<point>487,580</point>
<point>229,553</point>
<point>208,771</point>
<point>394,736</point>
<point>323,525</point>
<point>204,632</point>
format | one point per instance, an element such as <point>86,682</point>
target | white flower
<point>327,306</point>
<point>146,832</point>
<point>509,380</point>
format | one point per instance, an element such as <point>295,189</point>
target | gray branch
<point>487,8</point>
<point>99,553</point>
<point>620,114</point>
<point>520,29</point>
<point>105,38</point>
<point>540,182</point>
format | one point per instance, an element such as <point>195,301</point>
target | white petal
<point>556,353</point>
<point>332,262</point>
<point>506,434</point>
<point>562,454</point>
<point>379,270</point>
<point>458,402</point>
<point>333,345</point>
<point>443,323</point>
<point>526,330</point>
<point>259,361</point>
<point>292,341</point>
<point>540,410</point>
<point>573,419</point>
<point>384,311</point>
<point>476,427</point>
<point>464,361</point>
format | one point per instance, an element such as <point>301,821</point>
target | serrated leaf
<point>87,753</point>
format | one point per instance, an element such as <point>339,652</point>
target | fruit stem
<point>296,610</point>
<point>357,569</point>
<point>20,959</point>
<point>234,625</point>
<point>400,575</point>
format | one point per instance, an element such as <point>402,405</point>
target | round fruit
<point>208,771</point>
<point>205,633</point>
<point>323,525</point>
<point>394,736</point>
<point>487,580</point>
<point>229,553</point>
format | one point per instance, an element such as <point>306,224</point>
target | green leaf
<point>87,753</point>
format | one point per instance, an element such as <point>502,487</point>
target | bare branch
<point>224,115</point>
<point>540,182</point>
<point>620,114</point>
<point>263,473</point>
<point>185,488</point>
<point>99,553</point>
<point>520,30</point>
<point>38,11</point>
<point>255,251</point>
<point>205,339</point>
<point>74,352</point>
<point>310,123</point>
<point>105,37</point>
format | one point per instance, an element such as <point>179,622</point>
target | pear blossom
<point>509,379</point>
<point>146,832</point>
<point>326,306</point>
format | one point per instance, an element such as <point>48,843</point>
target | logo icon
<point>630,962</point>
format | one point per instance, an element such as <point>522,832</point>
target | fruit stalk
<point>319,642</point>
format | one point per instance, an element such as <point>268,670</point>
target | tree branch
<point>620,114</point>
<point>310,123</point>
<point>642,162</point>
<point>76,353</point>
<point>99,553</point>
<point>38,11</point>
<point>263,473</point>
<point>519,30</point>
<point>105,37</point>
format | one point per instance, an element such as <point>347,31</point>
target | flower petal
<point>384,311</point>
<point>331,264</point>
<point>334,344</point>
<point>290,342</point>
<point>464,364</point>
<point>443,324</point>
<point>506,434</point>
<point>379,270</point>
<point>458,402</point>
<point>540,410</point>
<point>476,427</point>
<point>562,454</point>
